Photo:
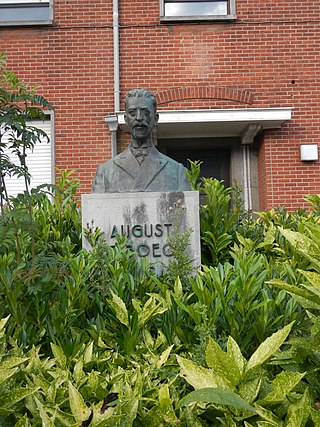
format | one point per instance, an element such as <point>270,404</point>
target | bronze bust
<point>141,167</point>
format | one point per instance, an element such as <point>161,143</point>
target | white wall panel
<point>39,162</point>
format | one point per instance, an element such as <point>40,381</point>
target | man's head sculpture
<point>140,167</point>
<point>141,114</point>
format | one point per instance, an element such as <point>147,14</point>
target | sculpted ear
<point>156,118</point>
<point>125,119</point>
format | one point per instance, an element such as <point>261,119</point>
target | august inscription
<point>151,235</point>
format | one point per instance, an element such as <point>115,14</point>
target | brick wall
<point>271,52</point>
<point>73,65</point>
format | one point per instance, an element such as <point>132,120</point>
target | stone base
<point>147,219</point>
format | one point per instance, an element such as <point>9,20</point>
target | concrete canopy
<point>217,123</point>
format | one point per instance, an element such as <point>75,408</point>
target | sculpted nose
<point>139,117</point>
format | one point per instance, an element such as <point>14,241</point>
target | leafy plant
<point>19,105</point>
<point>30,281</point>
<point>234,390</point>
<point>304,350</point>
<point>180,265</point>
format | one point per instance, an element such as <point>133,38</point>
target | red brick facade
<point>268,57</point>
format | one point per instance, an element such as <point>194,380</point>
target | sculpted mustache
<point>140,125</point>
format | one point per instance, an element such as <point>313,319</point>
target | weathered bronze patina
<point>141,167</point>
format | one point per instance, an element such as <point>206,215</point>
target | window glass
<point>196,8</point>
<point>24,12</point>
<point>18,2</point>
<point>39,162</point>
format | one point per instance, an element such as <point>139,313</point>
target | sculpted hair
<point>139,93</point>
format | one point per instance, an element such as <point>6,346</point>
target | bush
<point>105,338</point>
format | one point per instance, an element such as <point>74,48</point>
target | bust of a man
<point>141,167</point>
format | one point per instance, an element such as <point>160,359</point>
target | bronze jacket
<point>123,173</point>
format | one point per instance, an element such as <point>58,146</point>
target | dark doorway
<point>215,156</point>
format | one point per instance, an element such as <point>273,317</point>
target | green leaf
<point>9,399</point>
<point>222,363</point>
<point>46,421</point>
<point>269,347</point>
<point>156,417</point>
<point>130,410</point>
<point>104,418</point>
<point>87,355</point>
<point>268,416</point>
<point>200,377</point>
<point>23,422</point>
<point>147,337</point>
<point>59,355</point>
<point>304,296</point>
<point>3,323</point>
<point>164,397</point>
<point>228,420</point>
<point>178,288</point>
<point>307,303</point>
<point>6,412</point>
<point>136,305</point>
<point>51,393</point>
<point>234,352</point>
<point>314,278</point>
<point>249,389</point>
<point>78,371</point>
<point>11,362</point>
<point>77,405</point>
<point>267,424</point>
<point>300,242</point>
<point>151,309</point>
<point>119,309</point>
<point>7,373</point>
<point>299,412</point>
<point>191,419</point>
<point>315,416</point>
<point>64,418</point>
<point>282,385</point>
<point>164,356</point>
<point>217,396</point>
<point>40,382</point>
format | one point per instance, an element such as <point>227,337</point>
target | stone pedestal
<point>147,219</point>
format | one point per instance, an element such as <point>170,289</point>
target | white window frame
<point>229,17</point>
<point>29,4</point>
<point>42,151</point>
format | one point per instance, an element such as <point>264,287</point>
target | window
<point>191,10</point>
<point>40,162</point>
<point>26,12</point>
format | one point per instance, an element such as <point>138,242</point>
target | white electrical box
<point>309,152</point>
